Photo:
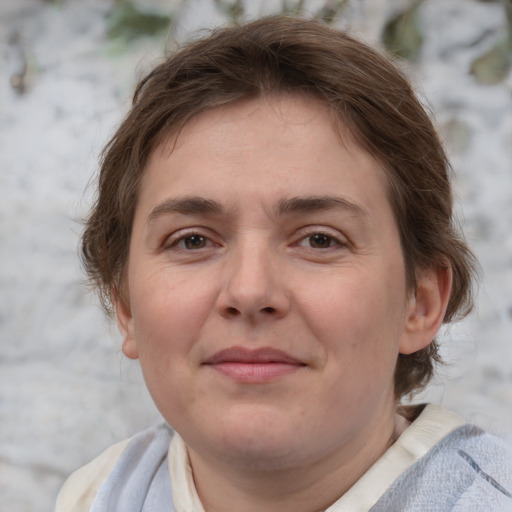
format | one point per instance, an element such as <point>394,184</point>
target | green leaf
<point>331,10</point>
<point>402,35</point>
<point>127,22</point>
<point>492,67</point>
<point>292,8</point>
<point>233,9</point>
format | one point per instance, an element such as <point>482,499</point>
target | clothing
<point>438,464</point>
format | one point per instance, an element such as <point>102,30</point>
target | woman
<point>274,234</point>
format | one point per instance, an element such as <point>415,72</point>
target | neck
<point>301,488</point>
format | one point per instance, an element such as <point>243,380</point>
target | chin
<point>263,437</point>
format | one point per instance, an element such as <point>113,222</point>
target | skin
<point>264,228</point>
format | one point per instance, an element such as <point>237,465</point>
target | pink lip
<point>260,365</point>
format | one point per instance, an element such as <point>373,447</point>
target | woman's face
<point>267,298</point>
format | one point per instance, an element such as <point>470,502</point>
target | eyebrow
<point>201,206</point>
<point>319,203</point>
<point>187,206</point>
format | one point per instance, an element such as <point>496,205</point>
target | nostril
<point>232,311</point>
<point>269,310</point>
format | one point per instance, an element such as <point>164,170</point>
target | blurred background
<point>67,71</point>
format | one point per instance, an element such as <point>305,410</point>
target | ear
<point>125,324</point>
<point>426,309</point>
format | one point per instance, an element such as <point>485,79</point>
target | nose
<point>253,284</point>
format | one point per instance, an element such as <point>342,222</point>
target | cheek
<point>168,312</point>
<point>169,316</point>
<point>356,320</point>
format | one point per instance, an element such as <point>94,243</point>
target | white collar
<point>432,425</point>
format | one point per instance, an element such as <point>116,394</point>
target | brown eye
<point>320,241</point>
<point>188,241</point>
<point>194,242</point>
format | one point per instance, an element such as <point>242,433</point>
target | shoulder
<point>484,462</point>
<point>468,470</point>
<point>486,450</point>
<point>80,489</point>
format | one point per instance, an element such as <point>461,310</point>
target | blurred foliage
<point>234,10</point>
<point>328,12</point>
<point>402,35</point>
<point>296,7</point>
<point>331,10</point>
<point>492,67</point>
<point>128,22</point>
<point>237,10</point>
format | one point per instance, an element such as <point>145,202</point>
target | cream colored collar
<point>432,425</point>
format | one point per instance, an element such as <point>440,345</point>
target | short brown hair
<point>365,90</point>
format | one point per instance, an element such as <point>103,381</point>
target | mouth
<point>254,366</point>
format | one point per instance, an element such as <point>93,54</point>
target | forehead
<point>281,146</point>
<point>290,111</point>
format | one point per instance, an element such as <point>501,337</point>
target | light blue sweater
<point>467,471</point>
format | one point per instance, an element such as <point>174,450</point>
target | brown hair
<point>365,90</point>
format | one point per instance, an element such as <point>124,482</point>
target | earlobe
<point>125,325</point>
<point>426,309</point>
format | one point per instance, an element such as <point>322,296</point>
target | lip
<point>255,366</point>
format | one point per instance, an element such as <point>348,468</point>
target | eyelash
<point>305,241</point>
<point>334,241</point>
<point>188,236</point>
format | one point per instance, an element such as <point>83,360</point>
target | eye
<point>319,241</point>
<point>192,242</point>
